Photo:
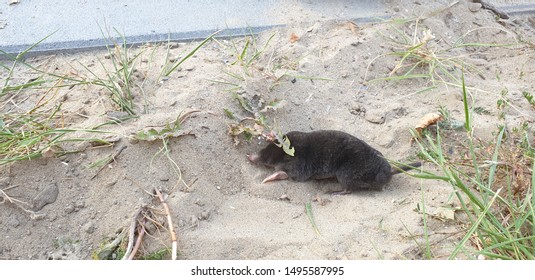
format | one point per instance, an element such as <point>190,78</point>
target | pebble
<point>79,204</point>
<point>89,228</point>
<point>199,202</point>
<point>387,140</point>
<point>205,215</point>
<point>357,110</point>
<point>69,209</point>
<point>377,117</point>
<point>47,196</point>
<point>474,7</point>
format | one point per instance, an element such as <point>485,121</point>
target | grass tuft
<point>493,182</point>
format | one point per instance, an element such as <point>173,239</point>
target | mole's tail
<point>398,168</point>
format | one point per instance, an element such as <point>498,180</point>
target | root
<point>174,243</point>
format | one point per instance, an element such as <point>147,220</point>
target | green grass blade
<point>191,53</point>
<point>473,228</point>
<point>308,210</point>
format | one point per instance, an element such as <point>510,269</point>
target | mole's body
<point>329,154</point>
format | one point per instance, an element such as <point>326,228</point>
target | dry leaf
<point>294,38</point>
<point>444,214</point>
<point>427,120</point>
<point>49,152</point>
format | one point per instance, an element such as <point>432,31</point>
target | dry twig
<point>140,234</point>
<point>19,203</point>
<point>131,234</point>
<point>170,224</point>
<point>112,158</point>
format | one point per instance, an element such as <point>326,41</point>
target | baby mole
<point>326,154</point>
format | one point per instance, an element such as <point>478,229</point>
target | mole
<point>326,154</point>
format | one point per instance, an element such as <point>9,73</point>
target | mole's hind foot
<point>279,175</point>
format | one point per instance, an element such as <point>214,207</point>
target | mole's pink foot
<point>279,175</point>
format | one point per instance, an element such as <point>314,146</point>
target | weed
<point>31,136</point>
<point>493,183</point>
<point>256,64</point>
<point>421,57</point>
<point>529,97</point>
<point>169,130</point>
<point>157,255</point>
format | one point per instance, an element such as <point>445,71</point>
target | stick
<point>170,222</point>
<point>112,158</point>
<point>19,203</point>
<point>131,234</point>
<point>140,233</point>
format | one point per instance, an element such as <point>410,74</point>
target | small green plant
<point>422,57</point>
<point>163,254</point>
<point>119,79</point>
<point>31,136</point>
<point>494,185</point>
<point>169,130</point>
<point>529,97</point>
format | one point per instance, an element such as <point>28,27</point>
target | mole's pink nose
<point>253,158</point>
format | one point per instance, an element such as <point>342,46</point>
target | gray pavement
<point>83,24</point>
<point>78,24</point>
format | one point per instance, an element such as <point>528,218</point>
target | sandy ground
<point>219,206</point>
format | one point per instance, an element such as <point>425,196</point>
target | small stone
<point>386,141</point>
<point>89,228</point>
<point>199,202</point>
<point>474,7</point>
<point>79,204</point>
<point>377,117</point>
<point>481,257</point>
<point>205,215</point>
<point>69,209</point>
<point>189,68</point>
<point>47,196</point>
<point>174,45</point>
<point>107,56</point>
<point>357,110</point>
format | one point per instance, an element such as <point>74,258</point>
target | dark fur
<point>331,154</point>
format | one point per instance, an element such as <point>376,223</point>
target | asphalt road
<point>84,24</point>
